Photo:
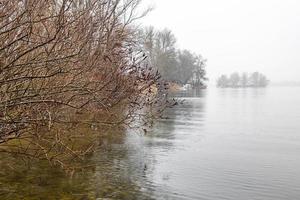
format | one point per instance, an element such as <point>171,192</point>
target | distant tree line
<point>235,80</point>
<point>175,65</point>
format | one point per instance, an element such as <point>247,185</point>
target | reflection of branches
<point>65,64</point>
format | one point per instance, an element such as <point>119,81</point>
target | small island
<point>235,80</point>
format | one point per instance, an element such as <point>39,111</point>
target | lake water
<point>229,144</point>
<point>234,144</point>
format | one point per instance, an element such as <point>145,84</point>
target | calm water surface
<point>235,144</point>
<point>229,144</point>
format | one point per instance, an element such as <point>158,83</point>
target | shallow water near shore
<point>220,144</point>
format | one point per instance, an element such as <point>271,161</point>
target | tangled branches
<point>65,63</point>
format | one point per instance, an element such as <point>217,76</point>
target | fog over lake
<point>150,100</point>
<point>242,36</point>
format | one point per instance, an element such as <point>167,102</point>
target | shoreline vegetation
<point>72,71</point>
<point>245,80</point>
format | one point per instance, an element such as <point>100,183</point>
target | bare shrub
<point>65,63</point>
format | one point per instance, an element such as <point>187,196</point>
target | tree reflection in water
<point>123,166</point>
<point>111,177</point>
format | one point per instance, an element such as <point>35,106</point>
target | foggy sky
<point>236,35</point>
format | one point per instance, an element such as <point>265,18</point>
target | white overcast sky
<point>236,35</point>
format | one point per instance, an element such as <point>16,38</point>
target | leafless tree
<point>65,63</point>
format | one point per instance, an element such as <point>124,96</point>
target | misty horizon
<point>149,99</point>
<point>235,36</point>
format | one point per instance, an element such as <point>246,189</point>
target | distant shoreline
<point>285,83</point>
